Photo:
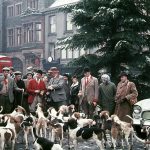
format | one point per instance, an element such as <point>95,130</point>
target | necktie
<point>86,81</point>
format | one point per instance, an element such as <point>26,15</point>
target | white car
<point>141,113</point>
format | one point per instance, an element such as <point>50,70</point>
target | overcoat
<point>90,91</point>
<point>125,90</point>
<point>11,87</point>
<point>58,93</point>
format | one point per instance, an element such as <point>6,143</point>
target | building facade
<point>24,32</point>
<point>59,26</point>
<point>1,18</point>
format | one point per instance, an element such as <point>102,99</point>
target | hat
<point>123,74</point>
<point>86,69</point>
<point>66,75</point>
<point>17,73</point>
<point>53,69</point>
<point>30,68</point>
<point>11,68</point>
<point>6,69</point>
<point>39,71</point>
<point>29,73</point>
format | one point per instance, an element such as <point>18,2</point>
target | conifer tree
<point>120,30</point>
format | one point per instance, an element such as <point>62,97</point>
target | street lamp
<point>50,59</point>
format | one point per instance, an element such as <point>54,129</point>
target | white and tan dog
<point>121,127</point>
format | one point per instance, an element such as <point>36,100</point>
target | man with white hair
<point>107,91</point>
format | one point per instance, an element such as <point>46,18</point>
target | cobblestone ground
<point>84,145</point>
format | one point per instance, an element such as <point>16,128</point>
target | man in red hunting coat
<point>36,89</point>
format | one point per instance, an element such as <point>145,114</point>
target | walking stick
<point>22,97</point>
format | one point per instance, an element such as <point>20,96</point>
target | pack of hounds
<point>48,131</point>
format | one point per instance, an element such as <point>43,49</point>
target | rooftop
<point>59,3</point>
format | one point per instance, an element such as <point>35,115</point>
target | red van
<point>5,61</point>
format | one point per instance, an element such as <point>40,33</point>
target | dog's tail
<point>34,132</point>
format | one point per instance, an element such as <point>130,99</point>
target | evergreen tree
<point>120,30</point>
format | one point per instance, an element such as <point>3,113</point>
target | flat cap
<point>17,73</point>
<point>6,69</point>
<point>11,68</point>
<point>53,69</point>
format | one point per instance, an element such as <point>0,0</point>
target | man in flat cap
<point>7,87</point>
<point>20,83</point>
<point>126,96</point>
<point>36,89</point>
<point>11,72</point>
<point>56,89</point>
<point>88,92</point>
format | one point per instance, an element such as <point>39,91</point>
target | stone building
<point>58,26</point>
<point>24,32</point>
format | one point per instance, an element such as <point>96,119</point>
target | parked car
<point>141,116</point>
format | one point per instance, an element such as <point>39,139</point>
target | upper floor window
<point>10,37</point>
<point>28,32</point>
<point>18,36</point>
<point>52,24</point>
<point>18,9</point>
<point>10,11</point>
<point>69,25</point>
<point>38,32</point>
<point>32,4</point>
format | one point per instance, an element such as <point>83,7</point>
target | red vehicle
<point>5,61</point>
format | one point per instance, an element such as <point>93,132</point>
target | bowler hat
<point>39,71</point>
<point>86,69</point>
<point>123,74</point>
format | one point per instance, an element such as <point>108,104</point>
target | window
<point>51,50</point>
<point>28,32</point>
<point>18,33</point>
<point>32,4</point>
<point>69,53</point>
<point>10,37</point>
<point>52,24</point>
<point>82,52</point>
<point>68,22</point>
<point>63,54</point>
<point>38,32</point>
<point>75,53</point>
<point>18,9</point>
<point>10,11</point>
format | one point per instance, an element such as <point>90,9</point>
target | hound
<point>121,127</point>
<point>76,133</point>
<point>44,144</point>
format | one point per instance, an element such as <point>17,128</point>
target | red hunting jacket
<point>34,85</point>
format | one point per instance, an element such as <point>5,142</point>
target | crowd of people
<point>53,90</point>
